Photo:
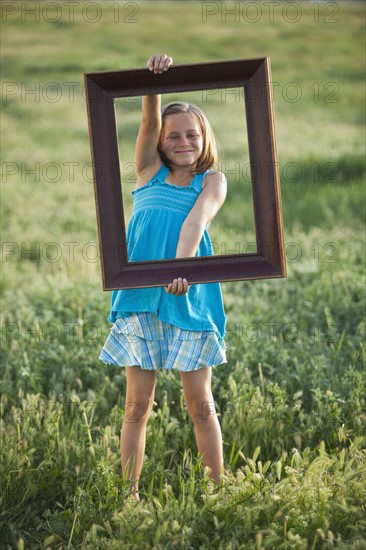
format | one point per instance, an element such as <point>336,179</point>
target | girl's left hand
<point>178,287</point>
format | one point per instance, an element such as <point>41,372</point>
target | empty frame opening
<point>232,231</point>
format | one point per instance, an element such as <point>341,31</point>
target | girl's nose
<point>183,140</point>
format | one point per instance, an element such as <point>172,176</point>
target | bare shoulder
<point>144,176</point>
<point>216,181</point>
<point>210,200</point>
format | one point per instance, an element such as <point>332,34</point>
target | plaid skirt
<point>143,339</point>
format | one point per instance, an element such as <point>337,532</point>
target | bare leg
<point>139,401</point>
<point>201,407</point>
<point>209,443</point>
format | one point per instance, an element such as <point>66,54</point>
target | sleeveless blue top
<point>159,210</point>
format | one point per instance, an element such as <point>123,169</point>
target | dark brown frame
<point>254,75</point>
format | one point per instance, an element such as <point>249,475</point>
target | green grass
<point>291,400</point>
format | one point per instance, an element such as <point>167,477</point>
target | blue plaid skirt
<point>143,339</point>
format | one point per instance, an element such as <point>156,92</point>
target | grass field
<point>291,400</point>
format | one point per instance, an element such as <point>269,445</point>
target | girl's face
<point>182,141</point>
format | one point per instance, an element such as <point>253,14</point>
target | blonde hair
<point>208,157</point>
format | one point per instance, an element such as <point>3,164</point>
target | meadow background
<point>291,398</point>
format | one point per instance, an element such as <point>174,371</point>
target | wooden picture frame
<point>254,76</point>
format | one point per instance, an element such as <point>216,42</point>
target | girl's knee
<point>201,407</point>
<point>138,408</point>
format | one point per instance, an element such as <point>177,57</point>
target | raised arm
<point>146,149</point>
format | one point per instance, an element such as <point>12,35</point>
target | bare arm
<point>189,238</point>
<point>146,149</point>
<point>204,210</point>
<point>209,201</point>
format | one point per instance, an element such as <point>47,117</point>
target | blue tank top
<point>159,210</point>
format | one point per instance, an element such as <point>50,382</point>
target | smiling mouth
<point>188,151</point>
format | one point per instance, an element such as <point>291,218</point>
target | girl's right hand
<point>178,287</point>
<point>159,63</point>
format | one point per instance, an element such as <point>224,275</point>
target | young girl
<point>178,327</point>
